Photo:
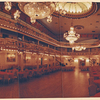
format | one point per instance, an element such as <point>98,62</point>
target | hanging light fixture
<point>32,20</point>
<point>79,48</point>
<point>7,5</point>
<point>49,19</point>
<point>71,35</point>
<point>17,14</point>
<point>38,10</point>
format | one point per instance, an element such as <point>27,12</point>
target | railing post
<point>0,33</point>
<point>38,42</point>
<point>23,38</point>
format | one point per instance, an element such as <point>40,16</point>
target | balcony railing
<point>24,46</point>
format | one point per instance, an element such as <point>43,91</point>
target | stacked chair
<point>94,88</point>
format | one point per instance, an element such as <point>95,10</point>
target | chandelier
<point>71,35</point>
<point>79,48</point>
<point>40,10</point>
<point>17,14</point>
<point>37,10</point>
<point>7,6</point>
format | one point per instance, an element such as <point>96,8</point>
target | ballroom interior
<point>49,49</point>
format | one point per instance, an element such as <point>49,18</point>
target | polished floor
<point>54,85</point>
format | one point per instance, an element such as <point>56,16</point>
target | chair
<point>6,78</point>
<point>34,72</point>
<point>24,77</point>
<point>97,95</point>
<point>91,80</point>
<point>1,79</point>
<point>10,71</point>
<point>30,74</point>
<point>16,74</point>
<point>92,89</point>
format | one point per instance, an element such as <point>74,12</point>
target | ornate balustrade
<point>24,46</point>
<point>80,53</point>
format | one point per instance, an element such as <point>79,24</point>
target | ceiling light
<point>8,6</point>
<point>38,10</point>
<point>17,14</point>
<point>33,20</point>
<point>71,36</point>
<point>79,48</point>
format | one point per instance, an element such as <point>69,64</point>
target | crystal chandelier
<point>7,6</point>
<point>79,48</point>
<point>40,10</point>
<point>37,10</point>
<point>71,36</point>
<point>17,14</point>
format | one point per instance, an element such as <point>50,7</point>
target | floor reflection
<point>75,84</point>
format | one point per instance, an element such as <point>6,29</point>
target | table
<point>97,95</point>
<point>3,73</point>
<point>20,74</point>
<point>94,73</point>
<point>96,76</point>
<point>97,81</point>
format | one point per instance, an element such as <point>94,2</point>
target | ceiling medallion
<point>79,27</point>
<point>75,10</point>
<point>38,10</point>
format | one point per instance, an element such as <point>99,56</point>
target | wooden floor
<point>55,85</point>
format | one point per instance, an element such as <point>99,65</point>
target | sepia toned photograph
<point>49,49</point>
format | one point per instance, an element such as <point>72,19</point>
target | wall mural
<point>11,57</point>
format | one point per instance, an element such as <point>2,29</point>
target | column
<point>23,38</point>
<point>0,33</point>
<point>38,42</point>
<point>48,45</point>
<point>37,61</point>
<point>54,60</point>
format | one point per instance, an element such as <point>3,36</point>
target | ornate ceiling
<point>88,27</point>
